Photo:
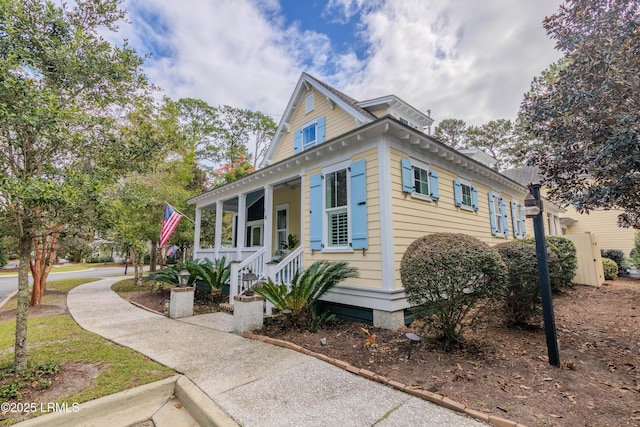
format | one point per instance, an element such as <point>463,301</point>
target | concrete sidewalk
<point>254,383</point>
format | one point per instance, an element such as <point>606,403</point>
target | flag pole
<point>183,215</point>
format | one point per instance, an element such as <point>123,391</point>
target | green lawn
<point>66,268</point>
<point>59,339</point>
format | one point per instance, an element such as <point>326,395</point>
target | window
<point>308,103</point>
<point>336,208</point>
<point>465,194</point>
<point>338,218</point>
<point>419,180</point>
<point>309,136</point>
<point>498,215</point>
<point>518,220</point>
<point>282,226</point>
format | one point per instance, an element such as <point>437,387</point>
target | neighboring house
<point>354,181</point>
<point>603,224</point>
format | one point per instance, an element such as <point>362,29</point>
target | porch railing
<point>253,264</point>
<point>283,271</point>
<point>231,254</point>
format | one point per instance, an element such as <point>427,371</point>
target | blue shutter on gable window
<point>359,226</point>
<point>474,198</point>
<point>523,224</point>
<point>297,141</point>
<point>434,192</point>
<point>457,192</point>
<point>320,131</point>
<point>492,215</point>
<point>503,211</point>
<point>514,220</point>
<point>407,176</point>
<point>315,214</point>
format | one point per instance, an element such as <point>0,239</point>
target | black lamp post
<point>534,209</point>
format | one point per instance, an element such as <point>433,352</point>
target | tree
<point>63,93</point>
<point>452,132</point>
<point>585,109</point>
<point>498,139</point>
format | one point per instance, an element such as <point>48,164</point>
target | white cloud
<point>461,58</point>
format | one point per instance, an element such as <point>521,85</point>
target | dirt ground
<point>505,371</point>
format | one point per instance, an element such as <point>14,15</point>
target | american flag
<point>169,224</point>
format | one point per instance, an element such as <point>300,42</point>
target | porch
<point>258,231</point>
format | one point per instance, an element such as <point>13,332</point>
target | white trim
<point>241,236</point>
<point>386,216</point>
<point>285,208</point>
<point>425,167</point>
<point>196,231</point>
<point>218,237</point>
<point>258,224</point>
<point>313,122</point>
<point>464,181</point>
<point>267,237</point>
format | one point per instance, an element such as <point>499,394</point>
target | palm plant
<point>305,291</point>
<point>170,274</point>
<point>213,274</point>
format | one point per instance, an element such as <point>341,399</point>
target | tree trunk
<point>20,349</point>
<point>153,260</point>
<point>45,253</point>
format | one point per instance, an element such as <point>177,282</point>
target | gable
<point>335,121</point>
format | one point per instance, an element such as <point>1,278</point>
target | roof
<point>346,98</point>
<point>524,175</point>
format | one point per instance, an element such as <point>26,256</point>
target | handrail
<point>252,264</point>
<point>283,271</point>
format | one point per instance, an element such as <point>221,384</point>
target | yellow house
<point>354,181</point>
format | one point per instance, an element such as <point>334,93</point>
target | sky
<point>466,59</point>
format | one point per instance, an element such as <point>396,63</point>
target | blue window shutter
<point>315,215</point>
<point>457,192</point>
<point>359,227</point>
<point>503,211</point>
<point>297,141</point>
<point>514,220</point>
<point>523,224</point>
<point>320,131</point>
<point>474,198</point>
<point>492,215</point>
<point>434,192</point>
<point>407,176</point>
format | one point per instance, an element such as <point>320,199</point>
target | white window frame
<point>282,208</point>
<point>425,167</point>
<point>517,232</point>
<point>309,102</point>
<point>307,145</point>
<point>466,183</point>
<point>258,224</point>
<point>325,217</point>
<point>497,211</point>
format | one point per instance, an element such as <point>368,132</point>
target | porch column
<point>268,222</point>
<point>218,237</point>
<point>242,225</point>
<point>196,233</point>
<point>302,213</point>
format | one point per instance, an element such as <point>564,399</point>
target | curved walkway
<point>255,383</point>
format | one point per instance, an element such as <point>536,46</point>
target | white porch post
<point>303,217</point>
<point>242,225</point>
<point>218,237</point>
<point>268,222</point>
<point>196,233</point>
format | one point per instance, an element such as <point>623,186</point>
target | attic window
<point>308,103</point>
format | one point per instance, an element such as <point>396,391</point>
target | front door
<point>254,233</point>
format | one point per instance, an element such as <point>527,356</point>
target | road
<point>10,283</point>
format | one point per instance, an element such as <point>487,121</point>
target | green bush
<point>617,256</point>
<point>445,275</point>
<point>522,294</point>
<point>99,259</point>
<point>213,274</point>
<point>562,260</point>
<point>305,291</point>
<point>610,268</point>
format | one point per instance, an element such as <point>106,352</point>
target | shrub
<point>562,260</point>
<point>445,275</point>
<point>522,294</point>
<point>617,256</point>
<point>305,291</point>
<point>99,259</point>
<point>610,268</point>
<point>213,274</point>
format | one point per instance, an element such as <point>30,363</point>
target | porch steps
<point>225,306</point>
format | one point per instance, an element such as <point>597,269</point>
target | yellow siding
<point>291,197</point>
<point>369,263</point>
<point>414,218</point>
<point>604,224</point>
<point>337,122</point>
<point>379,113</point>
